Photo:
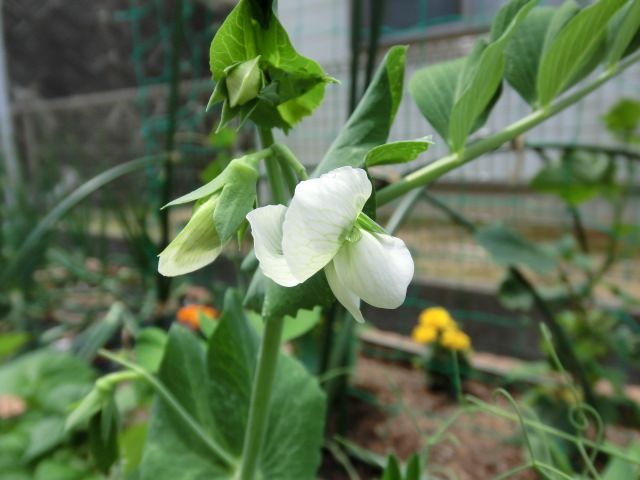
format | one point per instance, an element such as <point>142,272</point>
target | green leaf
<point>571,50</point>
<point>392,472</point>
<point>622,29</point>
<point>214,386</point>
<point>48,378</point>
<point>371,121</point>
<point>11,343</point>
<point>103,436</point>
<point>131,443</point>
<point>618,468</point>
<point>241,38</point>
<point>523,51</point>
<point>508,248</point>
<point>87,343</point>
<point>45,435</point>
<point>433,89</point>
<point>280,301</point>
<point>513,295</point>
<point>578,177</point>
<point>149,348</point>
<point>294,327</point>
<point>397,152</point>
<point>237,199</point>
<point>414,468</point>
<point>457,96</point>
<point>623,120</point>
<point>483,74</point>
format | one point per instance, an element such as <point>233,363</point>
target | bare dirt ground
<point>477,446</point>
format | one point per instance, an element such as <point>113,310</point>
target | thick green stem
<point>449,162</point>
<point>274,174</point>
<point>261,398</point>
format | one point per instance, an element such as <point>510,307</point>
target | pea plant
<point>231,403</point>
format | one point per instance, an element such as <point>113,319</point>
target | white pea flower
<point>324,227</point>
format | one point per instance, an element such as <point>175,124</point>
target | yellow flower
<point>436,317</point>
<point>454,339</point>
<point>189,315</point>
<point>424,334</point>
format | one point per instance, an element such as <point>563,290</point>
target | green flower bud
<point>244,82</point>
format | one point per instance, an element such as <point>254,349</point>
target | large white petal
<point>195,246</point>
<point>266,228</point>
<point>346,297</point>
<point>378,268</point>
<point>322,212</point>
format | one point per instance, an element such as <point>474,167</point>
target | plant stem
<point>439,167</point>
<point>174,405</point>
<point>261,398</point>
<point>269,349</point>
<point>274,173</point>
<point>166,176</point>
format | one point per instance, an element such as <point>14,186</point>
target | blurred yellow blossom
<point>189,315</point>
<point>454,339</point>
<point>436,317</point>
<point>424,334</point>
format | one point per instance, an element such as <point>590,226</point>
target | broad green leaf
<point>87,343</point>
<point>433,89</point>
<point>241,38</point>
<point>236,200</point>
<point>561,17</point>
<point>131,444</point>
<point>149,348</point>
<point>508,248</point>
<point>294,327</point>
<point>103,436</point>
<point>623,120</point>
<point>523,51</point>
<point>414,468</point>
<point>280,301</point>
<point>392,472</point>
<point>483,75</point>
<point>617,468</point>
<point>215,387</point>
<point>622,29</point>
<point>51,379</point>
<point>397,152</point>
<point>457,96</point>
<point>45,435</point>
<point>370,123</point>
<point>513,295</point>
<point>576,178</point>
<point>571,50</point>
<point>11,342</point>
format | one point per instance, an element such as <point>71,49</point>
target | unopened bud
<point>244,82</point>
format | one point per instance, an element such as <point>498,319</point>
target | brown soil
<point>406,415</point>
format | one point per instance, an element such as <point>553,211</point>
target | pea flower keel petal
<point>378,268</point>
<point>266,228</point>
<point>346,297</point>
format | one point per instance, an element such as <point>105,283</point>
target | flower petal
<point>266,228</point>
<point>321,214</point>
<point>195,246</point>
<point>346,297</point>
<point>377,268</point>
